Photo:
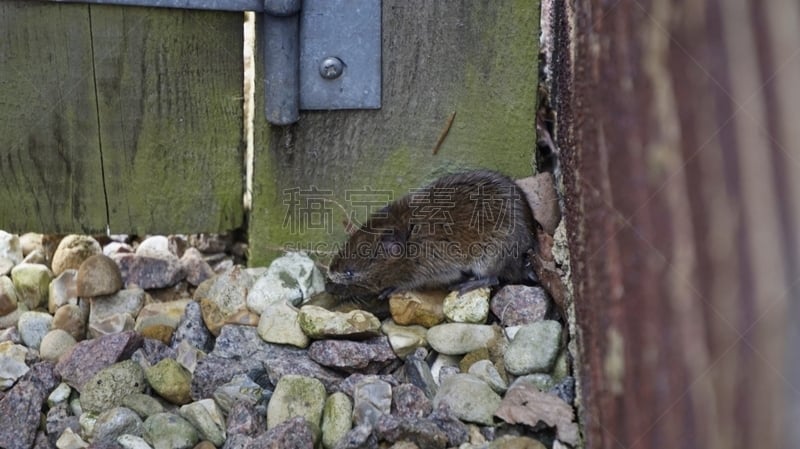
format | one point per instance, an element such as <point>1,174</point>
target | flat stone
<point>368,356</point>
<point>419,431</point>
<point>107,388</point>
<point>461,338</point>
<point>114,423</point>
<point>471,307</point>
<point>88,357</point>
<point>297,396</point>
<point>111,324</point>
<point>419,373</point>
<point>293,433</point>
<point>240,389</point>
<point>208,419</point>
<point>404,339</point>
<point>144,405</point>
<point>516,305</point>
<point>150,272</point>
<point>168,430</point>
<point>534,348</point>
<point>98,275</point>
<point>469,398</point>
<point>167,314</point>
<point>320,323</point>
<point>129,301</point>
<point>420,308</point>
<point>12,363</point>
<point>542,197</point>
<point>279,323</point>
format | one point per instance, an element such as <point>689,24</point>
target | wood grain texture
<point>50,171</point>
<point>476,58</point>
<point>676,123</point>
<point>169,86</point>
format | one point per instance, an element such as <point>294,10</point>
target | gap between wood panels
<point>249,105</point>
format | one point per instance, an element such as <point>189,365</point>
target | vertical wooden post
<point>676,123</point>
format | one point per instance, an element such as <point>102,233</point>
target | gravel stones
<point>534,348</point>
<point>12,363</point>
<point>297,396</point>
<point>279,323</point>
<point>169,431</point>
<point>8,296</point>
<point>422,308</point>
<point>207,418</point>
<point>55,343</point>
<point>10,252</point>
<point>471,307</point>
<point>72,250</point>
<point>114,423</point>
<point>63,290</point>
<point>336,419</point>
<point>170,380</point>
<point>154,348</point>
<point>469,398</point>
<point>368,356</point>
<point>32,284</point>
<point>461,338</point>
<point>319,323</point>
<point>516,305</point>
<point>289,279</point>
<point>109,387</point>
<point>20,407</point>
<point>88,357</point>
<point>98,275</point>
<point>33,326</point>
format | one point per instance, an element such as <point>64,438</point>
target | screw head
<point>331,68</point>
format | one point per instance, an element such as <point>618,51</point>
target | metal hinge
<point>318,54</point>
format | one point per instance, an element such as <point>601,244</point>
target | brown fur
<point>467,227</point>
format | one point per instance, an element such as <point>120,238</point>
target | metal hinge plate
<point>347,30</point>
<point>319,54</point>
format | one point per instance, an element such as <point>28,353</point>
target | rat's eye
<point>348,273</point>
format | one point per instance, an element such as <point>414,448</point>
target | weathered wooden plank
<point>681,206</point>
<point>50,171</point>
<point>475,58</point>
<point>169,86</point>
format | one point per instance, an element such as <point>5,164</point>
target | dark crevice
<point>99,132</point>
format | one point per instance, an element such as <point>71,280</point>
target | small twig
<point>443,135</point>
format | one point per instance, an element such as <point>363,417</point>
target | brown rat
<point>464,231</point>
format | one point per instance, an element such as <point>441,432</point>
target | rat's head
<point>374,255</point>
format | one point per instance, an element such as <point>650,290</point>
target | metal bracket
<point>318,54</point>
